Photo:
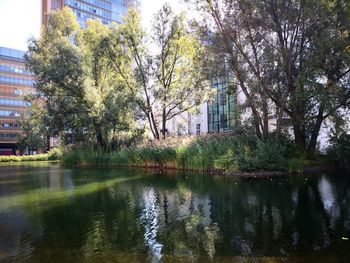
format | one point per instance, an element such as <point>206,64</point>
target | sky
<point>20,19</point>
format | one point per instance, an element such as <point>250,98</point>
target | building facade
<point>15,81</point>
<point>218,115</point>
<point>221,110</point>
<point>189,123</point>
<point>107,11</point>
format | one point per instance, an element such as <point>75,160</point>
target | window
<point>223,98</point>
<point>9,113</point>
<point>16,81</point>
<point>223,120</point>
<point>17,92</point>
<point>8,136</point>
<point>198,129</point>
<point>11,102</point>
<point>15,69</point>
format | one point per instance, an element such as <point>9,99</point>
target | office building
<point>221,111</point>
<point>15,81</point>
<point>107,11</point>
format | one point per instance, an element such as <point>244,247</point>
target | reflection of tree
<point>273,217</point>
<point>188,230</point>
<point>193,217</point>
<point>97,238</point>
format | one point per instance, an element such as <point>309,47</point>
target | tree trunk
<point>99,136</point>
<point>299,136</point>
<point>316,130</point>
<point>163,123</point>
<point>265,128</point>
<point>154,125</point>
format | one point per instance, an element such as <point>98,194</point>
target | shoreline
<point>217,172</point>
<point>211,172</point>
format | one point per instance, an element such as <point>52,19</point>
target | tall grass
<point>224,151</point>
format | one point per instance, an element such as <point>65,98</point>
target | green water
<point>54,214</point>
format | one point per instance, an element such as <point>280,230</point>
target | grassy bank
<point>216,152</point>
<point>50,156</point>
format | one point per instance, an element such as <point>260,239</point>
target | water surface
<point>54,214</point>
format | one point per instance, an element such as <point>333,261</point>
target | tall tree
<point>292,53</point>
<point>163,72</point>
<point>237,37</point>
<point>83,93</point>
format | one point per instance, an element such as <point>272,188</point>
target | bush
<point>339,151</point>
<point>54,154</point>
<point>227,162</point>
<point>271,156</point>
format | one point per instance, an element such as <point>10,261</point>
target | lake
<point>50,213</point>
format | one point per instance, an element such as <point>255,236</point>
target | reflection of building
<point>15,81</point>
<point>107,11</point>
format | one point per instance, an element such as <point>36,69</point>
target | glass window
<point>222,98</point>
<point>16,81</point>
<point>198,129</point>
<point>9,113</point>
<point>9,52</point>
<point>13,102</point>
<point>8,136</point>
<point>221,110</point>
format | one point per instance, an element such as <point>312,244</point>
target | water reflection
<point>129,216</point>
<point>150,221</point>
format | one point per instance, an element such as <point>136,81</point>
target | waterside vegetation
<point>222,153</point>
<point>52,155</point>
<point>114,88</point>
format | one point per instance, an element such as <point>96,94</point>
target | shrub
<point>339,151</point>
<point>271,155</point>
<point>295,165</point>
<point>227,162</point>
<point>54,154</point>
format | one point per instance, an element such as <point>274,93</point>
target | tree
<point>73,73</point>
<point>107,99</point>
<point>34,125</point>
<point>163,72</point>
<point>292,53</point>
<point>310,40</point>
<point>235,34</point>
<point>57,66</point>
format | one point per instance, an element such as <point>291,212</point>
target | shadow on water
<point>115,215</point>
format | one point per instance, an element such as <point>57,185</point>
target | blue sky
<point>21,19</point>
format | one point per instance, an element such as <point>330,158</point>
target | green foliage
<point>289,58</point>
<point>340,151</point>
<point>163,68</point>
<point>33,124</point>
<point>227,162</point>
<point>270,155</point>
<point>226,152</point>
<point>79,89</point>
<point>295,165</point>
<point>55,154</point>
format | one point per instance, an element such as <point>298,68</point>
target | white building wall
<point>186,123</point>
